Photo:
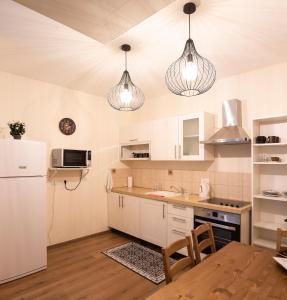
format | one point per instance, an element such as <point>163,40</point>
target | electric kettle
<point>204,188</point>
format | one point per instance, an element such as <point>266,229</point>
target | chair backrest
<point>172,270</point>
<point>281,234</point>
<point>201,244</point>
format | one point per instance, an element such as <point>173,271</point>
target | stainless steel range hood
<point>232,131</point>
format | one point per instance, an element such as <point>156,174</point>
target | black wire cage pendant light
<point>125,96</point>
<point>191,74</point>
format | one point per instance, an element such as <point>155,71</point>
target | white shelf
<point>127,151</point>
<point>134,143</point>
<point>269,225</point>
<point>270,145</point>
<point>269,163</point>
<point>53,171</point>
<point>268,208</point>
<point>271,119</point>
<point>260,196</point>
<point>191,136</point>
<point>68,169</point>
<point>264,243</point>
<point>135,158</point>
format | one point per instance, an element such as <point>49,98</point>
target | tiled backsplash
<point>228,185</point>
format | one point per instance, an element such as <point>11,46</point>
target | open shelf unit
<point>69,169</point>
<point>52,172</point>
<point>269,213</point>
<point>270,225</point>
<point>261,196</point>
<point>269,163</point>
<point>270,145</point>
<point>264,243</point>
<point>128,150</point>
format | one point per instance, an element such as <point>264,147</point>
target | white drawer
<point>184,223</point>
<point>176,234</point>
<point>180,210</point>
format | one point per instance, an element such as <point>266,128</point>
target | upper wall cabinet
<point>164,139</point>
<point>137,132</point>
<point>193,129</point>
<point>174,138</point>
<point>178,138</point>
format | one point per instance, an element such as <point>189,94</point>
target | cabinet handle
<point>179,207</point>
<point>231,228</point>
<point>133,140</point>
<point>122,201</point>
<point>163,213</point>
<point>178,232</point>
<point>119,201</point>
<point>175,151</point>
<point>179,152</point>
<point>179,220</point>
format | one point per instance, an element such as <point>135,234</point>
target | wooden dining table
<point>237,272</point>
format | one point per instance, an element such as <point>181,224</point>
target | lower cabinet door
<point>153,217</point>
<point>131,215</point>
<point>175,234</point>
<point>115,215</point>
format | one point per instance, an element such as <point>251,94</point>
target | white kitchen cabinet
<point>164,139</point>
<point>180,137</point>
<point>131,215</point>
<point>136,132</point>
<point>180,223</point>
<point>115,211</point>
<point>174,235</point>
<point>193,129</point>
<point>153,221</point>
<point>124,213</point>
<point>132,150</point>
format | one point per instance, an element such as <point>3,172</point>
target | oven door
<point>224,232</point>
<point>74,158</point>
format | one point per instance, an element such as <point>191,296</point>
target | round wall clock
<point>67,126</point>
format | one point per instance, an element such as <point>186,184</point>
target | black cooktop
<point>226,202</point>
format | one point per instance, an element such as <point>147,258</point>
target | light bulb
<point>126,96</point>
<point>190,71</point>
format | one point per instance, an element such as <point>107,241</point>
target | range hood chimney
<point>232,131</point>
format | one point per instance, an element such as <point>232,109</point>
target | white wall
<point>41,105</point>
<point>263,92</point>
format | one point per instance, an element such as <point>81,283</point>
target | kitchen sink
<point>163,194</point>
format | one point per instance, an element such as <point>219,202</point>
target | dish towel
<point>109,182</point>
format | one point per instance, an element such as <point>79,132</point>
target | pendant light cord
<point>126,60</point>
<point>189,26</point>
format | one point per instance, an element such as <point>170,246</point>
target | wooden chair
<point>280,248</point>
<point>200,245</point>
<point>171,271</point>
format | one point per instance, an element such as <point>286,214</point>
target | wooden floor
<point>78,270</point>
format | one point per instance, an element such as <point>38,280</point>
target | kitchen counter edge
<point>193,200</point>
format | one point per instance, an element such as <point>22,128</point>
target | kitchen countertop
<point>192,200</point>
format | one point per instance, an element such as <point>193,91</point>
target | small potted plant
<point>17,129</point>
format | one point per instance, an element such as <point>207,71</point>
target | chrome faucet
<point>177,189</point>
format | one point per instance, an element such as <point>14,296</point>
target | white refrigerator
<point>23,205</point>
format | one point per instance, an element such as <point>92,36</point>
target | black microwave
<point>71,158</point>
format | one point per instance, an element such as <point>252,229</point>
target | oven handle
<point>216,225</point>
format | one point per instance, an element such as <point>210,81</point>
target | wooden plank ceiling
<point>102,20</point>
